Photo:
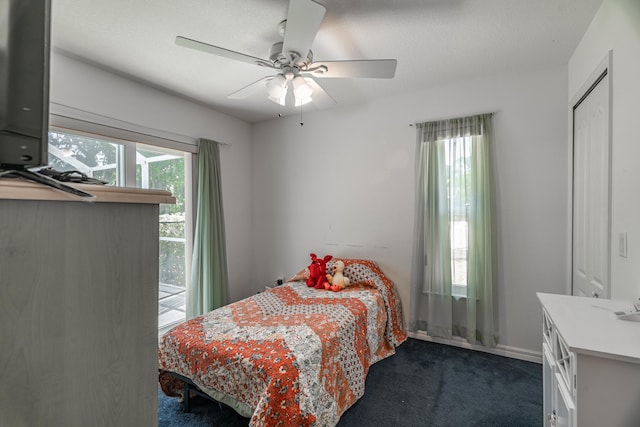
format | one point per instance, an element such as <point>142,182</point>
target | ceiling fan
<point>292,58</point>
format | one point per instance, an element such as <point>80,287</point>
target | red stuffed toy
<point>318,271</point>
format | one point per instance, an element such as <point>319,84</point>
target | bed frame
<point>189,387</point>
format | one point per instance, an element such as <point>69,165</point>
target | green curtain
<point>209,285</point>
<point>447,151</point>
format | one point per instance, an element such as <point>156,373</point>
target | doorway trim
<point>602,71</point>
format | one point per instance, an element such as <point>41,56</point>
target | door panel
<point>548,385</point>
<point>591,231</point>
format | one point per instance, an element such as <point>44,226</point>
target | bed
<point>292,355</point>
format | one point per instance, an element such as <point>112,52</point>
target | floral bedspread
<point>292,355</point>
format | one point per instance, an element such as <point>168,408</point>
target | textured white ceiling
<point>435,42</point>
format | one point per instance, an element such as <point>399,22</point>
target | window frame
<point>129,135</point>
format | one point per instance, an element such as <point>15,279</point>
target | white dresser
<point>591,363</point>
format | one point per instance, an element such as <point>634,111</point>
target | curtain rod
<point>452,118</point>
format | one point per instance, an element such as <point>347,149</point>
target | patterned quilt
<point>292,355</point>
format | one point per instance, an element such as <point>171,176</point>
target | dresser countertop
<point>20,189</point>
<point>588,326</point>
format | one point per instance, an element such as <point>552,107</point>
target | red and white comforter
<point>292,355</point>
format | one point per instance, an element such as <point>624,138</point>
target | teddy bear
<point>318,271</point>
<point>338,281</point>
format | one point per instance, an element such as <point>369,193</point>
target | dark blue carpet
<point>424,384</point>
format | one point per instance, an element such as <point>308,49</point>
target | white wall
<point>90,90</point>
<point>343,184</point>
<point>616,27</point>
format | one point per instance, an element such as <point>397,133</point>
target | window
<point>457,163</point>
<point>453,278</point>
<point>125,163</point>
<point>94,156</point>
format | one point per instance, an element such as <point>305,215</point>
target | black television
<point>25,36</point>
<point>24,83</point>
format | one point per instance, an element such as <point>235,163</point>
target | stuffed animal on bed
<point>337,281</point>
<point>318,271</point>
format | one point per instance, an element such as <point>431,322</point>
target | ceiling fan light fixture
<point>277,87</point>
<point>280,100</point>
<point>302,89</point>
<point>302,101</point>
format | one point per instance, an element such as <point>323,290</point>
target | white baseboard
<point>500,350</point>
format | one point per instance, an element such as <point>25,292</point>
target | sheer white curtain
<point>453,294</point>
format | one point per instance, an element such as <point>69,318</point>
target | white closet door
<point>591,189</point>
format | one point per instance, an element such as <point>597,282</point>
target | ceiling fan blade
<point>250,89</point>
<point>368,68</point>
<point>320,97</point>
<point>226,53</point>
<point>303,21</point>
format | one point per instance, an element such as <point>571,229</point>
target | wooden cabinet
<point>78,307</point>
<point>591,363</point>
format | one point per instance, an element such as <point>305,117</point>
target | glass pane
<point>172,251</point>
<point>94,157</point>
<point>164,169</point>
<point>458,157</point>
<point>459,248</point>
